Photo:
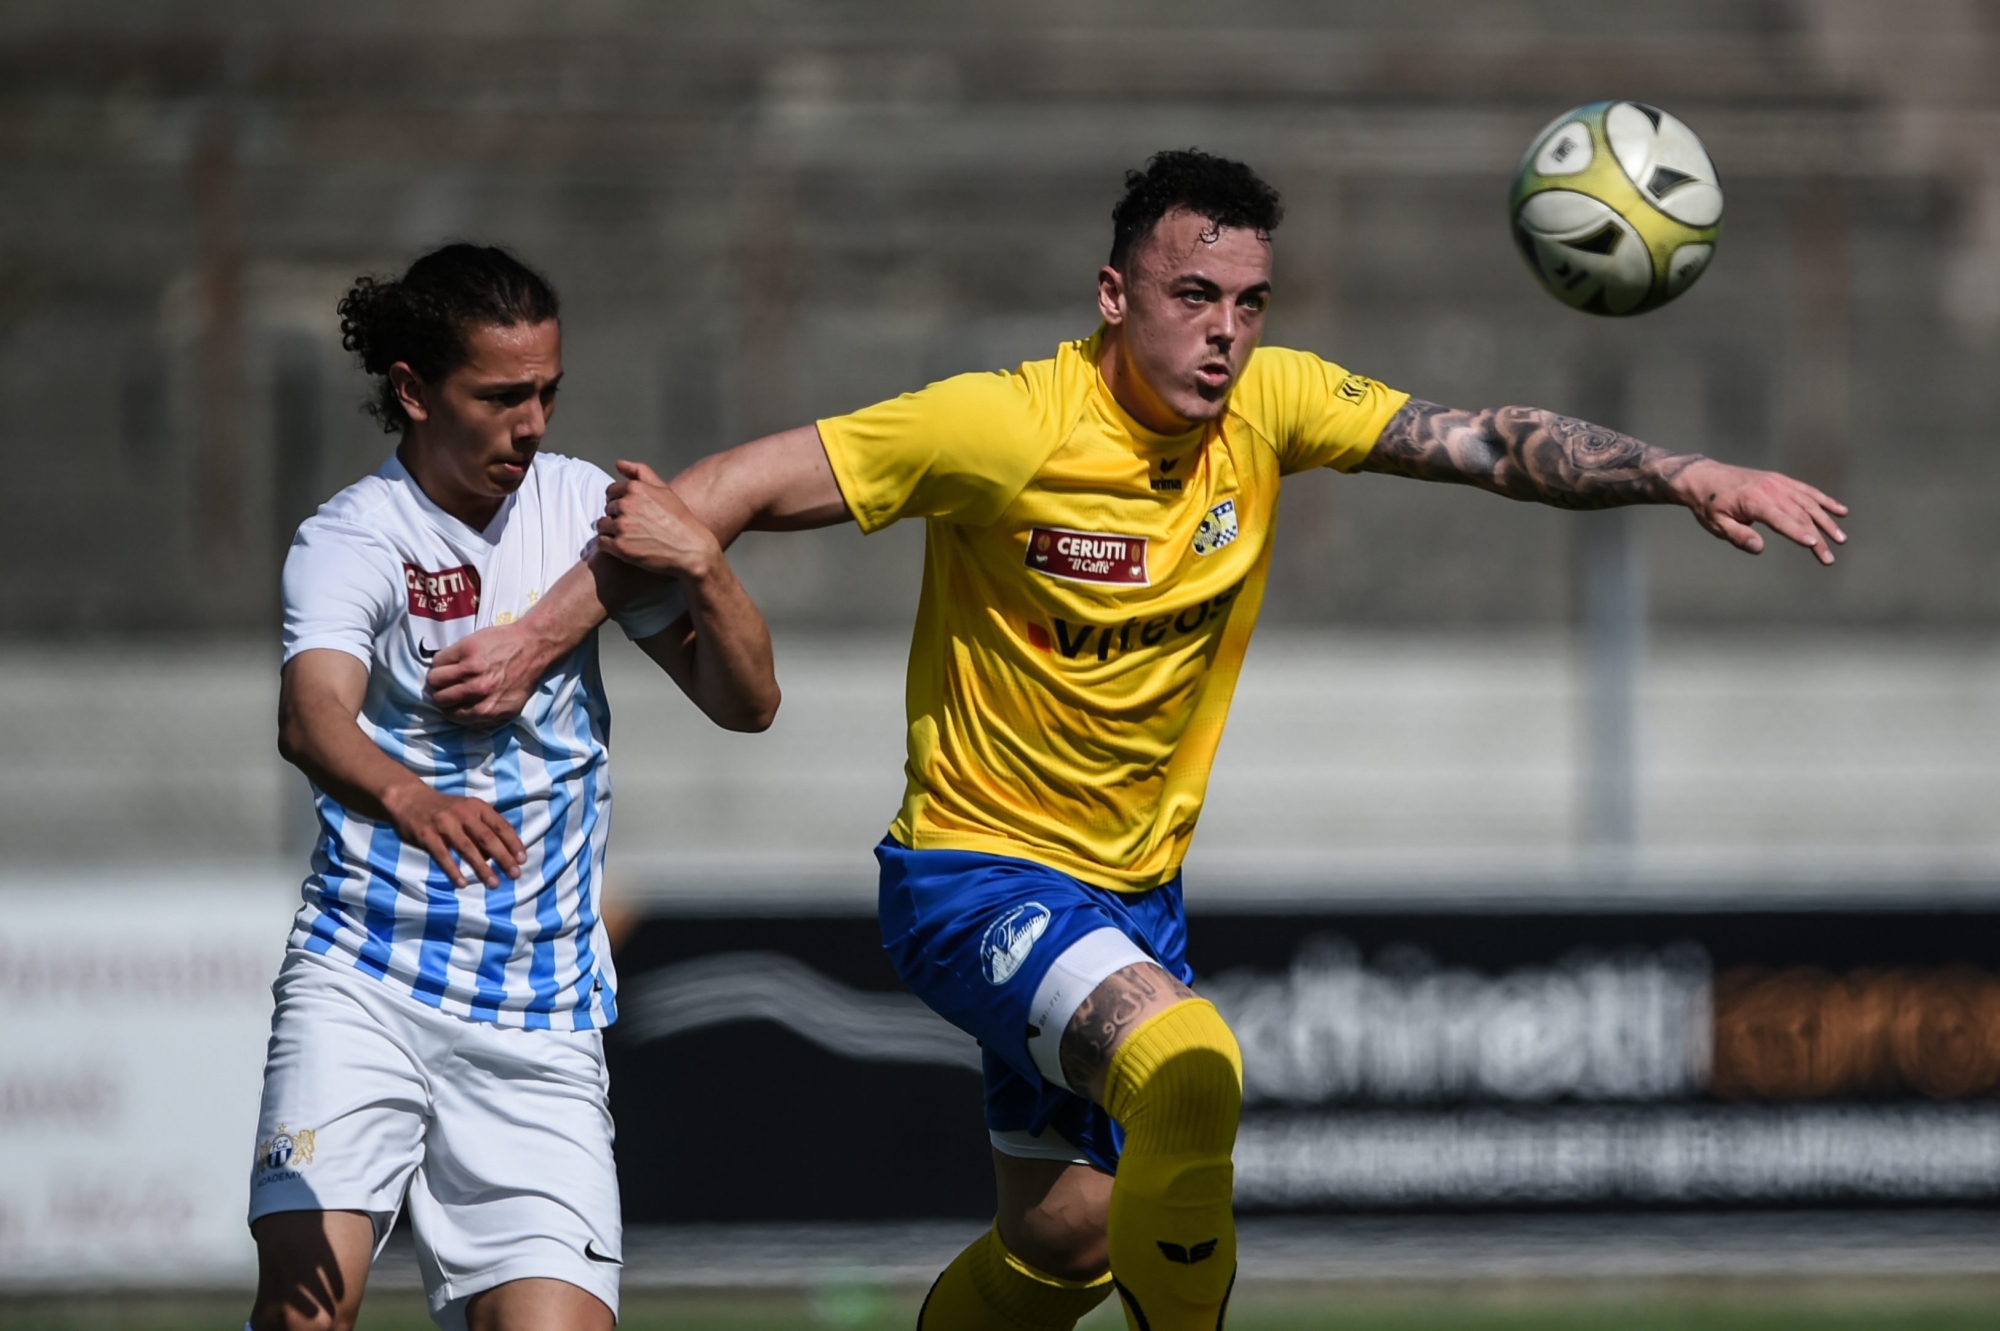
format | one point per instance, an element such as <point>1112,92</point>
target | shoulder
<point>960,448</point>
<point>569,481</point>
<point>994,402</point>
<point>1269,383</point>
<point>1026,411</point>
<point>562,469</point>
<point>360,503</point>
<point>1010,405</point>
<point>1312,411</point>
<point>360,516</point>
<point>1280,385</point>
<point>343,556</point>
<point>1278,377</point>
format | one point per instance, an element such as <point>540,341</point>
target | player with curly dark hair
<point>421,319</point>
<point>1226,193</point>
<point>1099,534</point>
<point>438,1038</point>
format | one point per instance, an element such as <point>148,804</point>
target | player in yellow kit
<point>1098,538</point>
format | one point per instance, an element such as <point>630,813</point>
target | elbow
<point>757,715</point>
<point>289,739</point>
<point>295,744</point>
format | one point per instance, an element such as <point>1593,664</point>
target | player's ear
<point>1111,295</point>
<point>409,390</point>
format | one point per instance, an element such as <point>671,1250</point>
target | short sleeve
<point>959,450</point>
<point>1316,413</point>
<point>651,611</point>
<point>341,589</point>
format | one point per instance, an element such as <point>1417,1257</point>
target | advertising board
<point>1422,1060</point>
<point>130,1065</point>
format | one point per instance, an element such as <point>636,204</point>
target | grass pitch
<point>1941,1304</point>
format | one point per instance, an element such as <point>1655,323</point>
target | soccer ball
<point>1616,208</point>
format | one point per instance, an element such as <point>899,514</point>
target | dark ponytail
<point>421,318</point>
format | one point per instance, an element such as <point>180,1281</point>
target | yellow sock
<point>1176,1087</point>
<point>987,1288</point>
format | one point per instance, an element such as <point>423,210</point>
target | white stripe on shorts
<point>1083,965</point>
<point>1023,1145</point>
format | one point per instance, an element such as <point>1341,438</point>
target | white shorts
<point>501,1137</point>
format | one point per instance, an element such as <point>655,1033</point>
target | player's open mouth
<point>1213,375</point>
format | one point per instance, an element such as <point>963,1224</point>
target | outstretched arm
<point>1529,454</point>
<point>720,652</point>
<point>782,482</point>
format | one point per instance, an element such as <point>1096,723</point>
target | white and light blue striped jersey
<point>384,574</point>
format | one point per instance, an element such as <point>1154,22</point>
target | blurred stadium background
<point>1616,913</point>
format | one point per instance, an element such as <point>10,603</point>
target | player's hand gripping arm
<point>319,697</point>
<point>720,654</point>
<point>782,482</point>
<point>1526,453</point>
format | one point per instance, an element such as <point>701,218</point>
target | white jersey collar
<point>396,473</point>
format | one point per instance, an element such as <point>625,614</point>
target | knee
<point>1182,1074</point>
<point>1064,1241</point>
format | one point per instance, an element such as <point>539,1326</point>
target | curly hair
<point>1227,193</point>
<point>421,318</point>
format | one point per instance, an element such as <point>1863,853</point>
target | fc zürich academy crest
<point>286,1149</point>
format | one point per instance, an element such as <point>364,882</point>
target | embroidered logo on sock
<point>1010,939</point>
<point>1200,1252</point>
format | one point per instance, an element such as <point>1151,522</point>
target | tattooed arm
<point>1525,453</point>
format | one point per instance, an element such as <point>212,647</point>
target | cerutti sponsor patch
<point>1082,556</point>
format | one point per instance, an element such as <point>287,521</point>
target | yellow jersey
<point>1089,590</point>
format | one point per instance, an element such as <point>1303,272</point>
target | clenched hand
<point>646,525</point>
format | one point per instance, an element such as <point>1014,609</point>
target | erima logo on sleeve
<point>1082,556</point>
<point>451,593</point>
<point>1010,939</point>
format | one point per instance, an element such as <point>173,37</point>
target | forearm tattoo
<point>1526,453</point>
<point>1123,1001</point>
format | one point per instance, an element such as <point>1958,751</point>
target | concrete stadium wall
<point>759,214</point>
<point>1359,766</point>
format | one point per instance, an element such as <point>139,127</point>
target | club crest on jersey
<point>1010,939</point>
<point>285,1149</point>
<point>1217,529</point>
<point>451,593</point>
<point>1081,556</point>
